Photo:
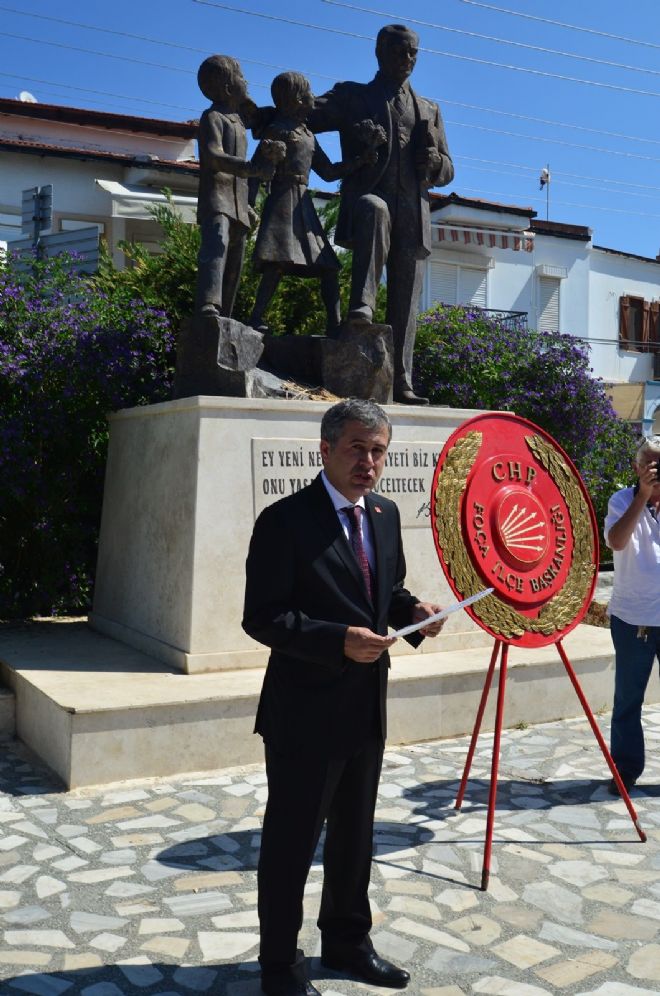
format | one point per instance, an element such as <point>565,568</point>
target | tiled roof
<point>561,230</point>
<point>442,200</point>
<point>98,119</point>
<point>79,152</point>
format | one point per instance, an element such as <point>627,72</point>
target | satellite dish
<point>27,98</point>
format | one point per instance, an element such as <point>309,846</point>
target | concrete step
<point>7,714</point>
<point>98,711</point>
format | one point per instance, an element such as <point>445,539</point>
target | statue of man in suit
<point>325,577</point>
<point>384,211</point>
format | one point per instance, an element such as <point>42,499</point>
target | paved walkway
<point>150,887</point>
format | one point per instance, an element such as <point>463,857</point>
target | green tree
<point>167,279</point>
<point>164,280</point>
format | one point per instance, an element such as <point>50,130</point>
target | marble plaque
<point>282,466</point>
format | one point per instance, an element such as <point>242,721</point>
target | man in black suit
<point>323,583</point>
<point>384,214</point>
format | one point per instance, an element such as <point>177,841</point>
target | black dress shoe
<point>406,396</point>
<point>288,987</point>
<point>288,981</point>
<point>368,966</point>
<point>613,788</point>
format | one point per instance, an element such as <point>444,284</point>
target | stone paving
<point>150,887</point>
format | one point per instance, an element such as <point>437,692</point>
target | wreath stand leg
<point>501,649</point>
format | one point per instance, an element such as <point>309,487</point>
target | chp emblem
<point>509,510</point>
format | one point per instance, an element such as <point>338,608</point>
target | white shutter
<point>548,304</point>
<point>443,283</point>
<point>472,287</point>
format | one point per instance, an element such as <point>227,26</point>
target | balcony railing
<point>510,319</point>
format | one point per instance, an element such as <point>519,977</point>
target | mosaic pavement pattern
<point>150,887</point>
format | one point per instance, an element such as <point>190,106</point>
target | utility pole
<point>544,181</point>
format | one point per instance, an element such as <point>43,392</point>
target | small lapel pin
<point>377,508</point>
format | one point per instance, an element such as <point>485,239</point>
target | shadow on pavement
<point>153,979</point>
<point>240,851</point>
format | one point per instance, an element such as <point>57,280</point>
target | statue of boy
<point>223,210</point>
<point>291,239</point>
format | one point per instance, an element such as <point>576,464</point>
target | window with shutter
<point>548,320</point>
<point>624,320</point>
<point>444,283</point>
<point>453,284</point>
<point>634,323</point>
<point>472,287</point>
<point>654,326</point>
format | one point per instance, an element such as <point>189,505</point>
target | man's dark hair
<point>394,32</point>
<point>367,413</point>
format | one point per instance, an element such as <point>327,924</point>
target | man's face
<point>646,460</point>
<point>355,462</point>
<point>397,57</point>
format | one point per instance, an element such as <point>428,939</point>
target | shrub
<point>163,280</point>
<point>167,279</point>
<point>69,355</point>
<point>468,360</point>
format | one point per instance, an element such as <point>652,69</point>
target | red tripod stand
<point>504,647</point>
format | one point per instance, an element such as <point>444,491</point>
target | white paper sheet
<point>414,627</point>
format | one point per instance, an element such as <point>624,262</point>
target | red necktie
<point>354,513</point>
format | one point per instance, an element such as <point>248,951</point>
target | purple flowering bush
<point>69,355</point>
<point>467,360</point>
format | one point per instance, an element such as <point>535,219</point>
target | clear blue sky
<point>602,142</point>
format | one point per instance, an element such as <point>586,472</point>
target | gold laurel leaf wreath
<point>496,614</point>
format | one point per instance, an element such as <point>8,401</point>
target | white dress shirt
<point>340,503</point>
<point>636,593</point>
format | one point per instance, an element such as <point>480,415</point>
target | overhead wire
<point>214,3</point>
<point>586,207</point>
<point>494,38</point>
<point>142,38</point>
<point>556,141</point>
<point>578,176</point>
<point>86,89</point>
<point>562,24</point>
<point>552,123</point>
<point>433,51</point>
<point>556,180</point>
<point>145,38</point>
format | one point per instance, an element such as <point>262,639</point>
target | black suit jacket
<point>304,588</point>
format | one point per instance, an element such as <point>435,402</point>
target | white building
<point>107,169</point>
<point>503,258</point>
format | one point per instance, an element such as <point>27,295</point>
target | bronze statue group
<point>393,150</point>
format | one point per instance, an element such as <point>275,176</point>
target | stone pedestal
<point>216,356</point>
<point>360,363</point>
<point>185,481</point>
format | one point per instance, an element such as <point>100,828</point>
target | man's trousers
<point>634,656</point>
<point>304,790</point>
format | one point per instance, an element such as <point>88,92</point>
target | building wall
<point>74,192</point>
<point>591,282</point>
<point>613,276</point>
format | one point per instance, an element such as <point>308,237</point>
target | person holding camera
<point>632,531</point>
